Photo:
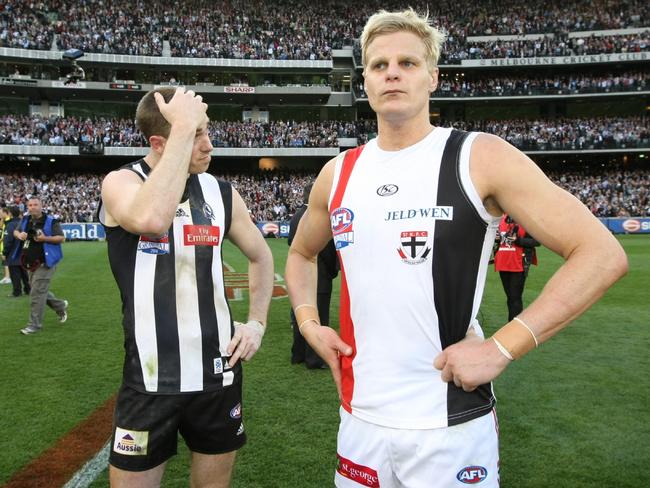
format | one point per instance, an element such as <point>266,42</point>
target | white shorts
<point>381,457</point>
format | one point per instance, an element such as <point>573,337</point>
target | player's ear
<point>157,144</point>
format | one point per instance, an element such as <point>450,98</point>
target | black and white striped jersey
<point>177,321</point>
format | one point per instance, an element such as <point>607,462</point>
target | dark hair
<point>15,211</point>
<point>148,118</point>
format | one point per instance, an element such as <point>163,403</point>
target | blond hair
<point>384,22</point>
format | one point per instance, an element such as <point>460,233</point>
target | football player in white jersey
<point>400,52</point>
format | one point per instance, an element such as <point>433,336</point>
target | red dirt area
<point>54,467</point>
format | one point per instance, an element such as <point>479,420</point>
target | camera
<point>72,54</point>
<point>77,73</point>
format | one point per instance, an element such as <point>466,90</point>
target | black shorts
<point>146,426</point>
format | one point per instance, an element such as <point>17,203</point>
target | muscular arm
<point>246,236</point>
<point>313,233</point>
<point>508,181</point>
<point>149,207</point>
<point>594,260</point>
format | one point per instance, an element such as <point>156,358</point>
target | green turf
<point>572,414</point>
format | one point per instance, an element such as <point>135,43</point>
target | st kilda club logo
<point>415,248</point>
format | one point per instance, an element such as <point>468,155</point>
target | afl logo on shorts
<point>471,475</point>
<point>632,225</point>
<point>341,220</point>
<point>235,413</point>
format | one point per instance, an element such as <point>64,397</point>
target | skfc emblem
<point>341,220</point>
<point>414,247</point>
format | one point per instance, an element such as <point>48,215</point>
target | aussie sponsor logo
<point>131,442</point>
<point>342,219</point>
<point>436,213</point>
<point>235,413</point>
<point>471,475</point>
<point>414,247</point>
<point>363,475</point>
<point>207,211</point>
<point>181,213</point>
<point>631,225</point>
<point>201,235</point>
<point>154,245</point>
<point>387,190</point>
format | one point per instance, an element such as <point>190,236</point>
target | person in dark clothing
<point>515,254</point>
<point>12,247</point>
<point>328,269</point>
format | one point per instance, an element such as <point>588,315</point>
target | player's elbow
<point>147,224</point>
<point>613,262</point>
<point>263,256</point>
<point>620,265</point>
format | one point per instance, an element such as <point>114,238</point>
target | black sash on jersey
<point>455,264</point>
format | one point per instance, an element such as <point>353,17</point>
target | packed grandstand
<point>566,82</point>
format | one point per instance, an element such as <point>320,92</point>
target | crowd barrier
<point>95,231</point>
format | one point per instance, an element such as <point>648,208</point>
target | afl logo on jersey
<point>387,190</point>
<point>341,220</point>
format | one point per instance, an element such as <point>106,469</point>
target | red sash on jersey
<point>345,319</point>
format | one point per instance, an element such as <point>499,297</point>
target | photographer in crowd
<point>41,251</point>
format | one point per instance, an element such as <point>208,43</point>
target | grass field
<point>575,413</point>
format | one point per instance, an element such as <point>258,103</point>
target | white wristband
<point>528,328</point>
<point>503,350</point>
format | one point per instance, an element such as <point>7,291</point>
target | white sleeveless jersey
<point>414,242</point>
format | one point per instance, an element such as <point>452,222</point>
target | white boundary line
<point>91,470</point>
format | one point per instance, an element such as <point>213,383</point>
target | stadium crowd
<point>70,131</point>
<point>610,194</point>
<point>526,85</point>
<point>274,195</point>
<point>259,29</point>
<point>70,197</point>
<point>566,133</point>
<point>530,135</point>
